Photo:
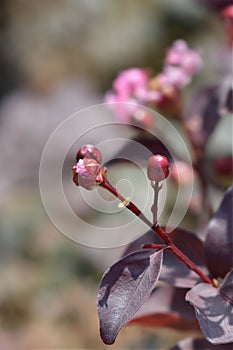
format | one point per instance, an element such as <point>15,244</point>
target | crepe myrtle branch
<point>162,234</point>
<point>129,205</point>
<point>88,173</point>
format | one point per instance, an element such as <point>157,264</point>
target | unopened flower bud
<point>88,173</point>
<point>157,168</point>
<point>89,151</point>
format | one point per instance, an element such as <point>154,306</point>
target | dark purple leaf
<point>149,237</point>
<point>226,289</point>
<point>200,344</point>
<point>218,245</point>
<point>214,310</point>
<point>174,272</point>
<point>229,100</point>
<point>124,288</point>
<point>166,307</point>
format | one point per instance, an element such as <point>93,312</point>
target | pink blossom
<point>129,81</point>
<point>180,55</point>
<point>181,64</point>
<point>192,62</point>
<point>129,90</point>
<point>146,95</point>
<point>176,52</point>
<point>132,87</point>
<point>134,83</point>
<point>174,76</point>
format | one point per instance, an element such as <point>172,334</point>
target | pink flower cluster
<point>131,87</point>
<point>181,64</point>
<point>134,87</point>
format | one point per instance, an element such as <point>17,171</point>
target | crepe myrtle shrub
<point>197,276</point>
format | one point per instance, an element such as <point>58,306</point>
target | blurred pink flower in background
<point>187,59</point>
<point>129,82</point>
<point>174,77</point>
<point>134,87</point>
<point>131,89</point>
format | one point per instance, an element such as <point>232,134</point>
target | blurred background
<point>57,57</point>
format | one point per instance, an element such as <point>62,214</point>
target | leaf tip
<point>106,338</point>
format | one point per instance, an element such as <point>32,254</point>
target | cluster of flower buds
<point>88,171</point>
<point>135,88</point>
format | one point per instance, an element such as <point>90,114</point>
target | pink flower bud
<point>88,173</point>
<point>89,151</point>
<point>157,168</point>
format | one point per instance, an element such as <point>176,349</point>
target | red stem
<point>179,254</point>
<point>156,228</point>
<point>129,205</point>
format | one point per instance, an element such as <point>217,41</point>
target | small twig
<point>180,255</point>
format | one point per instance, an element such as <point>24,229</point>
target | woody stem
<point>156,228</point>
